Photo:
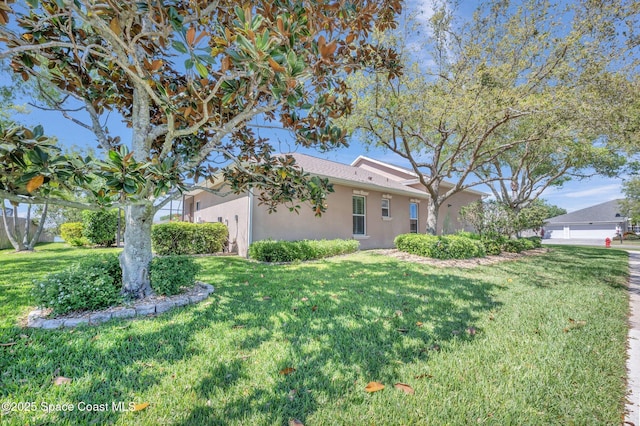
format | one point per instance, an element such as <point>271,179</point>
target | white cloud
<point>613,190</point>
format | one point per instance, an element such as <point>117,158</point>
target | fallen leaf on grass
<point>286,371</point>
<point>405,388</point>
<point>266,298</point>
<point>295,422</point>
<point>237,326</point>
<point>374,387</point>
<point>419,324</point>
<point>574,324</point>
<point>398,313</point>
<point>61,380</point>
<point>304,299</point>
<point>314,308</point>
<point>402,330</point>
<point>8,344</point>
<point>471,331</point>
<point>140,407</point>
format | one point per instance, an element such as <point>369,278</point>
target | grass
<point>536,341</point>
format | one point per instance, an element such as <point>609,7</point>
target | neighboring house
<point>596,222</point>
<point>373,202</point>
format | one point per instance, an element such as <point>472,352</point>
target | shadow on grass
<point>335,322</point>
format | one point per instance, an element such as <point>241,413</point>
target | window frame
<point>388,208</point>
<point>362,215</point>
<point>414,221</point>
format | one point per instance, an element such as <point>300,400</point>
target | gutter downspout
<point>249,222</point>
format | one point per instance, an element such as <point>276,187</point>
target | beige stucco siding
<point>233,209</point>
<point>449,213</point>
<point>337,221</point>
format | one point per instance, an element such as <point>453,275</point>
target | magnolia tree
<point>188,77</point>
<point>471,85</point>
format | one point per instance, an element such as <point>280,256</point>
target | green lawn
<point>536,341</point>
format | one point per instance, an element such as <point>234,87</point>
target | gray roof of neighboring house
<point>608,212</point>
<point>350,175</point>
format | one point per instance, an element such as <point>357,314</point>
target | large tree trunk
<point>432,216</point>
<point>27,229</point>
<point>136,256</point>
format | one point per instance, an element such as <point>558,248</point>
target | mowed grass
<point>540,340</point>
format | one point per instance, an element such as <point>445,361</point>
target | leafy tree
<point>631,203</point>
<point>475,90</point>
<point>188,78</point>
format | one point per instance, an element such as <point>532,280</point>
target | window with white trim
<point>359,222</point>
<point>197,206</point>
<point>413,217</point>
<point>386,208</point>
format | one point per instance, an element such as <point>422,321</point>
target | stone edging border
<point>37,318</point>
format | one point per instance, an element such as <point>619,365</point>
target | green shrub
<point>71,233</point>
<point>419,244</point>
<point>471,235</point>
<point>100,227</point>
<point>537,242</point>
<point>631,236</point>
<point>290,251</point>
<point>527,244</point>
<point>93,283</point>
<point>443,247</point>
<point>513,246</point>
<point>175,238</point>
<point>169,274</point>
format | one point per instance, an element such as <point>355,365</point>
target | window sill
<point>386,218</point>
<point>360,237</point>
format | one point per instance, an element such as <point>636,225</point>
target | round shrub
<point>537,241</point>
<point>513,246</point>
<point>419,244</point>
<point>93,283</point>
<point>176,238</point>
<point>169,274</point>
<point>444,247</point>
<point>71,233</point>
<point>100,227</point>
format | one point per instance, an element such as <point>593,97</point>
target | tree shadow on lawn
<point>360,322</point>
<point>335,322</point>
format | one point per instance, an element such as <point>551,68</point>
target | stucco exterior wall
<point>449,213</point>
<point>337,221</point>
<point>232,210</point>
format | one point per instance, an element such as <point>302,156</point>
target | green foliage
<point>289,251</point>
<point>513,246</point>
<point>440,247</point>
<point>100,227</point>
<point>188,238</point>
<point>71,233</point>
<point>93,283</point>
<point>631,236</point>
<point>170,274</point>
<point>536,241</point>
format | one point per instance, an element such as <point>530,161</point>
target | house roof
<point>354,176</point>
<point>608,212</point>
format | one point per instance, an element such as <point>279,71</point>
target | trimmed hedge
<point>170,274</point>
<point>92,283</point>
<point>289,251</point>
<point>71,233</point>
<point>100,227</point>
<point>175,238</point>
<point>440,247</point>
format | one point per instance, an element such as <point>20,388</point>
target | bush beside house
<point>290,251</point>
<point>188,238</point>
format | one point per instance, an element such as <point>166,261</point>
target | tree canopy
<point>480,95</point>
<point>188,77</point>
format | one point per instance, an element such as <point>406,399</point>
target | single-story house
<point>373,202</point>
<point>601,221</point>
